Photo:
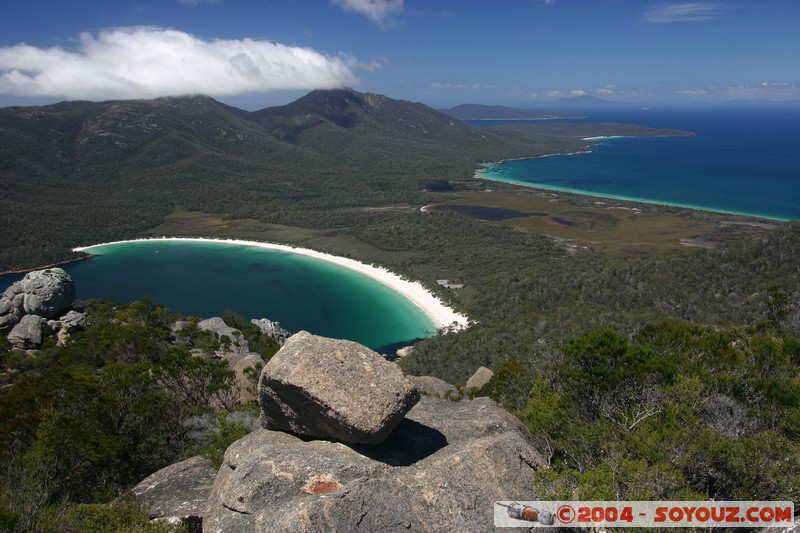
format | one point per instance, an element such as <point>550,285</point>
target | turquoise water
<point>207,279</point>
<point>744,161</point>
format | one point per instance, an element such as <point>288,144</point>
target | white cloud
<point>194,3</point>
<point>460,86</point>
<point>147,62</point>
<point>683,12</point>
<point>578,92</point>
<point>768,91</point>
<point>379,11</point>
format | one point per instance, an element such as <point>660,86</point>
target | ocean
<point>741,161</point>
<point>206,279</point>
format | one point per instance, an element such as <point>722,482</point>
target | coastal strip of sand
<point>442,316</point>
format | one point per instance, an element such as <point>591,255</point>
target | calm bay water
<point>744,161</point>
<point>207,279</point>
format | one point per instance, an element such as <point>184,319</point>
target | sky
<point>260,53</point>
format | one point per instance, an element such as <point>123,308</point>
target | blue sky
<point>259,53</point>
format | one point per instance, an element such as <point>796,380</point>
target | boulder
<point>433,386</point>
<point>333,389</point>
<point>28,334</point>
<point>177,494</point>
<point>481,377</point>
<point>231,339</point>
<point>440,470</point>
<point>47,293</point>
<point>273,329</point>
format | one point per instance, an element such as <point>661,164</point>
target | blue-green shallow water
<point>744,161</point>
<point>207,279</point>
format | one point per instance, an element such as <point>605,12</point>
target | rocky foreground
<point>433,464</point>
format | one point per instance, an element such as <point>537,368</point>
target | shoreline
<point>630,199</point>
<point>484,168</point>
<point>442,317</point>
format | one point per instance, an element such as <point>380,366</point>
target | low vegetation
<point>81,424</point>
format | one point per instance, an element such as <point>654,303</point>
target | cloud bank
<point>146,62</point>
<point>685,12</point>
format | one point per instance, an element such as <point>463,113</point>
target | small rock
<point>481,377</point>
<point>433,386</point>
<point>273,329</point>
<point>333,389</point>
<point>73,321</point>
<point>8,321</point>
<point>28,333</point>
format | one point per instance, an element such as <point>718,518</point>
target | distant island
<point>496,112</point>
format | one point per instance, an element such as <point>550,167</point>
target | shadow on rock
<point>408,443</point>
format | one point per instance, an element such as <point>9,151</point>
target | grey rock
<point>231,339</point>
<point>273,329</point>
<point>5,305</point>
<point>47,293</point>
<point>73,321</point>
<point>29,333</point>
<point>333,389</point>
<point>481,377</point>
<point>433,386</point>
<point>440,470</point>
<point>70,323</point>
<point>8,321</point>
<point>178,493</point>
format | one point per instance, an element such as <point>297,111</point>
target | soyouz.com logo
<point>643,514</point>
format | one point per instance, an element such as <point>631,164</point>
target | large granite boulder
<point>177,494</point>
<point>333,389</point>
<point>440,470</point>
<point>28,334</point>
<point>46,293</point>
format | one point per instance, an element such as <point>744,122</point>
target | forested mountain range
<point>81,172</point>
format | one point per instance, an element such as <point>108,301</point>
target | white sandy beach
<point>441,315</point>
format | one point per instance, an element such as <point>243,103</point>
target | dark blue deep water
<point>743,160</point>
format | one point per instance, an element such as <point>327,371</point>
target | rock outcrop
<point>273,329</point>
<point>333,389</point>
<point>177,494</point>
<point>46,293</point>
<point>41,294</point>
<point>440,470</point>
<point>231,339</point>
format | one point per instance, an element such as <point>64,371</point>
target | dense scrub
<point>82,423</point>
<point>676,411</point>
